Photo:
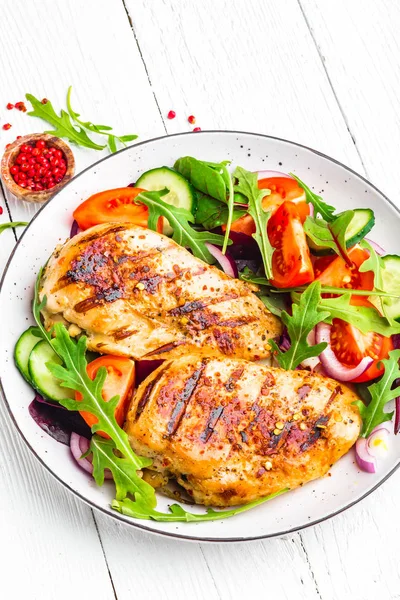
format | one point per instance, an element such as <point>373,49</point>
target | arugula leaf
<point>73,375</point>
<point>212,213</point>
<point>209,178</point>
<point>374,263</point>
<point>366,319</point>
<point>274,302</point>
<point>306,315</point>
<point>179,218</point>
<point>248,186</point>
<point>331,235</point>
<point>139,510</point>
<point>62,124</point>
<point>228,180</point>
<point>320,207</point>
<point>12,224</point>
<point>381,393</point>
<point>100,129</point>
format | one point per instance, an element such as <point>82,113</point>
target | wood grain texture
<point>246,65</point>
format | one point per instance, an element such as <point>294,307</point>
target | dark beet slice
<point>57,423</point>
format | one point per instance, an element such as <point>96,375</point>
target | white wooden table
<point>325,73</point>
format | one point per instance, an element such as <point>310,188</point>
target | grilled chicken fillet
<point>231,431</point>
<point>137,293</point>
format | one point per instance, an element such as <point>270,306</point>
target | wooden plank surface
<point>322,73</point>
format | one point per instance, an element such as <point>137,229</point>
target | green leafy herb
<point>330,235</point>
<point>140,510</point>
<point>374,263</point>
<point>62,124</point>
<point>179,218</point>
<point>100,129</point>
<point>209,178</point>
<point>306,315</point>
<point>13,224</point>
<point>212,213</point>
<point>320,207</point>
<point>228,180</point>
<point>73,375</point>
<point>248,186</point>
<point>365,318</point>
<point>381,393</point>
<point>274,302</point>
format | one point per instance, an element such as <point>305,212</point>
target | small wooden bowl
<point>10,156</point>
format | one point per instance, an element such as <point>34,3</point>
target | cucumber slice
<point>391,285</point>
<point>360,225</point>
<point>26,342</point>
<point>42,380</point>
<point>181,193</point>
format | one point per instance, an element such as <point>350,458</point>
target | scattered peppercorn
<point>192,119</point>
<point>1,210</point>
<point>38,166</point>
<point>10,106</point>
<point>171,114</point>
<point>6,126</point>
<point>20,106</point>
<point>44,101</point>
<point>197,129</point>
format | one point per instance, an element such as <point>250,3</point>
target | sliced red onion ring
<point>397,416</point>
<point>314,361</point>
<point>378,249</point>
<point>268,174</point>
<point>333,367</point>
<point>227,263</point>
<point>79,445</point>
<point>74,229</point>
<point>364,459</point>
<point>378,442</point>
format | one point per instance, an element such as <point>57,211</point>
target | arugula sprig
<point>68,125</point>
<point>306,315</point>
<point>381,393</point>
<point>330,234</point>
<point>248,186</point>
<point>139,510</point>
<point>73,375</point>
<point>326,211</point>
<point>12,225</point>
<point>179,219</point>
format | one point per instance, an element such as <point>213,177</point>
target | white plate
<point>339,185</point>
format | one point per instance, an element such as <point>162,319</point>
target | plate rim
<point>118,516</point>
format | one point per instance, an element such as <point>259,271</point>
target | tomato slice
<point>336,272</point>
<point>119,381</point>
<point>291,261</point>
<point>350,345</point>
<point>282,188</point>
<point>113,206</point>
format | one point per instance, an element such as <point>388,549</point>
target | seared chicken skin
<point>231,431</point>
<point>137,293</point>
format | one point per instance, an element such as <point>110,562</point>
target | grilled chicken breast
<point>231,431</point>
<point>137,293</point>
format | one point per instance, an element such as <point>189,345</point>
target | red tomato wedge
<point>350,345</point>
<point>291,261</point>
<point>335,272</point>
<point>113,206</point>
<point>282,188</point>
<point>120,381</point>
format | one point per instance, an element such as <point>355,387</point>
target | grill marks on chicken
<point>137,293</point>
<point>231,431</point>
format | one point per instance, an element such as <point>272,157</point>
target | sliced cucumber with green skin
<point>360,225</point>
<point>391,285</point>
<point>23,348</point>
<point>42,380</point>
<point>181,193</point>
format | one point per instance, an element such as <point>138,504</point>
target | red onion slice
<point>378,249</point>
<point>268,174</point>
<point>333,367</point>
<point>227,263</point>
<point>378,442</point>
<point>364,459</point>
<point>74,229</point>
<point>79,445</point>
